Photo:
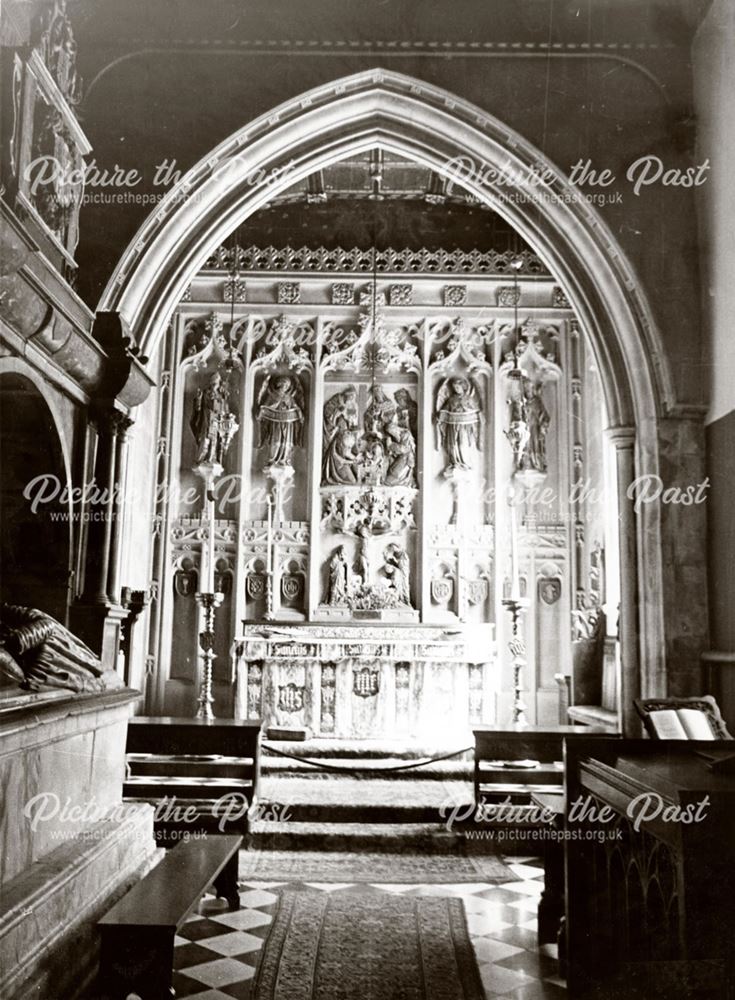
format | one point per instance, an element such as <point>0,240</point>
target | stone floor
<point>217,954</point>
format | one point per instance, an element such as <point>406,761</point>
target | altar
<point>365,682</point>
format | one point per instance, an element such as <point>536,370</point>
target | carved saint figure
<point>527,427</point>
<point>340,460</point>
<point>397,569</point>
<point>379,413</point>
<point>280,417</point>
<point>363,555</point>
<point>401,449</point>
<point>406,411</point>
<point>340,440</point>
<point>537,416</point>
<point>212,422</point>
<point>338,573</point>
<point>517,432</point>
<point>370,463</point>
<point>459,421</point>
<point>340,412</point>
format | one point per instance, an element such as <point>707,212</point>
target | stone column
<point>118,506</point>
<point>98,616</point>
<point>683,508</point>
<point>99,535</point>
<point>623,441</point>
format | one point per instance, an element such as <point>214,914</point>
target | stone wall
<point>69,847</point>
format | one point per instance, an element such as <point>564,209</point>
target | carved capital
<point>111,423</point>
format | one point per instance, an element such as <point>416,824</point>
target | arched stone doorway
<point>37,528</point>
<point>405,116</point>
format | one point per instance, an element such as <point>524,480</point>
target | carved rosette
<point>289,293</point>
<point>455,295</point>
<point>343,293</point>
<point>401,295</point>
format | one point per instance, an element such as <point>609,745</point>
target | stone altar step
<point>368,815</point>
<point>351,800</point>
<point>353,837</point>
<point>368,759</point>
<point>366,770</point>
<point>377,749</point>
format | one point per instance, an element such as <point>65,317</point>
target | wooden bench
<point>201,774</point>
<point>137,934</point>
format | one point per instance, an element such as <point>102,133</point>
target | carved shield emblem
<point>185,582</point>
<point>290,697</point>
<point>291,586</point>
<point>549,589</point>
<point>366,682</point>
<point>255,586</point>
<point>442,590</point>
<point>477,591</point>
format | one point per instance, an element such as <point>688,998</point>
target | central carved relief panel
<point>367,494</point>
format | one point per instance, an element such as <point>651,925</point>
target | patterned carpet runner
<point>368,947</point>
<point>343,866</point>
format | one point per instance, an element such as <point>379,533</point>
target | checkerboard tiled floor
<point>217,952</point>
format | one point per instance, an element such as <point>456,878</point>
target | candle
<point>515,586</point>
<point>210,546</point>
<point>269,541</point>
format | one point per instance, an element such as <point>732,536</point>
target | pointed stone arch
<point>408,117</point>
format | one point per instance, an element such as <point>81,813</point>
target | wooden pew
<point>137,934</point>
<point>201,774</point>
<point>496,750</point>
<point>650,907</point>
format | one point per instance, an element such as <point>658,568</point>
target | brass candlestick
<point>209,602</point>
<point>516,606</point>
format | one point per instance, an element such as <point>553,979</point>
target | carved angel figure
<point>458,421</point>
<point>212,422</point>
<point>280,417</point>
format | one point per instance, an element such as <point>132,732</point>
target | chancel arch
<point>404,117</point>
